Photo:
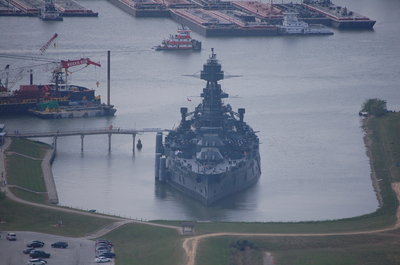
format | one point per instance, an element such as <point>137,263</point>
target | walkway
<point>59,133</point>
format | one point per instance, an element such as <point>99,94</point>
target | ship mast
<point>211,109</point>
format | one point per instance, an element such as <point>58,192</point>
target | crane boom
<point>44,47</point>
<point>70,63</point>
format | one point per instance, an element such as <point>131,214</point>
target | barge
<point>213,23</point>
<point>340,17</point>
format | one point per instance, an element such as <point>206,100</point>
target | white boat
<point>180,41</point>
<point>292,26</point>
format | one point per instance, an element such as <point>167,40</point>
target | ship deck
<point>336,12</point>
<point>33,7</point>
<point>261,10</point>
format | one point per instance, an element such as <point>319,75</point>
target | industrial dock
<point>244,18</point>
<point>66,8</point>
<point>211,17</point>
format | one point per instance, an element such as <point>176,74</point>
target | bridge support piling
<point>109,142</point>
<point>82,142</point>
<point>55,143</point>
<point>133,143</point>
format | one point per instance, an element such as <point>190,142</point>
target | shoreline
<point>48,177</point>
<point>368,145</point>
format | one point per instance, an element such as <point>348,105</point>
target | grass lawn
<point>25,172</point>
<point>29,196</point>
<point>28,147</point>
<point>21,217</point>
<point>147,245</point>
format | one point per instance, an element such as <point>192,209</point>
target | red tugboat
<point>180,41</point>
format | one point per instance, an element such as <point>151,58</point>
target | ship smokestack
<point>183,113</point>
<point>241,112</point>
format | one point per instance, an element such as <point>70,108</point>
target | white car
<point>102,259</point>
<point>37,262</point>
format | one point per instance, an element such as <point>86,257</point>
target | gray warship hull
<point>209,188</point>
<point>213,153</point>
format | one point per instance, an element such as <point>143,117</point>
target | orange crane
<point>47,44</point>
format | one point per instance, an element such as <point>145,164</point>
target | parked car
<point>37,262</point>
<point>39,254</point>
<point>11,236</point>
<point>35,244</point>
<point>107,255</point>
<point>104,241</point>
<point>59,244</point>
<point>103,248</point>
<point>102,259</point>
<point>27,250</point>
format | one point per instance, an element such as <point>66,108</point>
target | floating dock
<point>67,8</point>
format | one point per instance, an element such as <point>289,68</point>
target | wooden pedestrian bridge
<point>109,131</point>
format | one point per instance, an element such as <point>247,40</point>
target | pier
<point>109,131</point>
<point>67,8</point>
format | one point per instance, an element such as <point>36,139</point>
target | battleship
<point>213,153</point>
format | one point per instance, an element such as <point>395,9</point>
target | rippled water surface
<point>301,93</point>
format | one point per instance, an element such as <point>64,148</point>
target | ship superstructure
<point>213,153</point>
<point>291,25</point>
<point>180,41</point>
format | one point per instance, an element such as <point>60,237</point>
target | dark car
<point>107,255</point>
<point>59,245</point>
<point>35,244</point>
<point>39,254</point>
<point>27,251</point>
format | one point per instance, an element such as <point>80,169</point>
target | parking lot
<point>79,251</point>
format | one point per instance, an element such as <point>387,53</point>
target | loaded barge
<point>340,17</point>
<point>66,8</point>
<point>244,18</point>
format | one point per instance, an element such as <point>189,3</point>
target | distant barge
<point>66,8</point>
<point>75,112</point>
<point>243,18</point>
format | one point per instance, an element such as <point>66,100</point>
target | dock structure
<point>82,133</point>
<point>67,8</point>
<point>238,18</point>
<point>143,8</point>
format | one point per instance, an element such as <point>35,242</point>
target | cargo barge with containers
<point>213,153</point>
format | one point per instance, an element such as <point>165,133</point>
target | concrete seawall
<point>48,176</point>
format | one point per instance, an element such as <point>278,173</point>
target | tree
<point>375,107</point>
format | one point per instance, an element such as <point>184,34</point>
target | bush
<point>375,106</point>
